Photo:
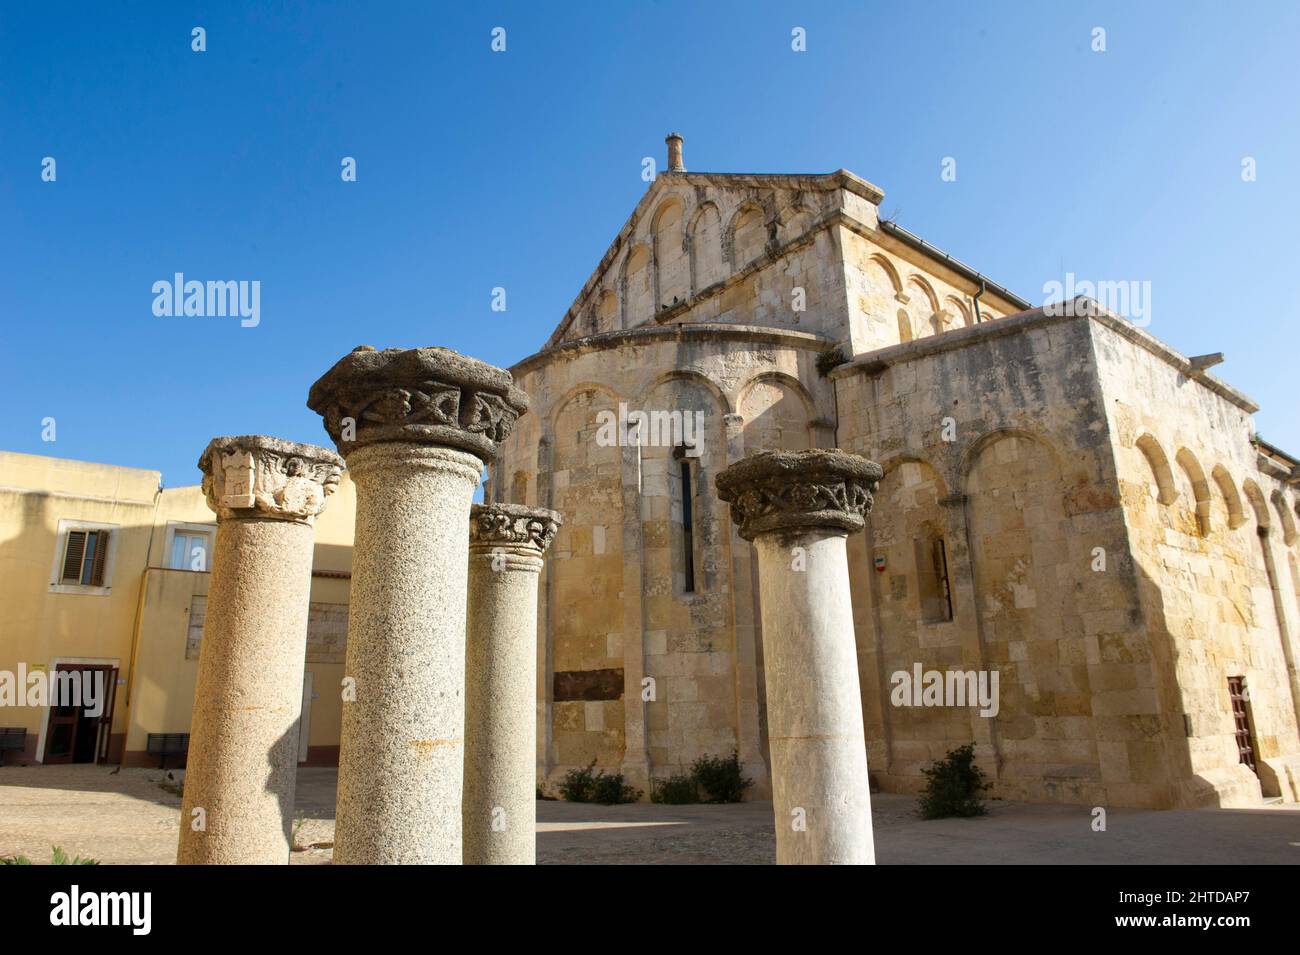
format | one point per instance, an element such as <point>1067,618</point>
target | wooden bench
<point>12,738</point>
<point>163,745</point>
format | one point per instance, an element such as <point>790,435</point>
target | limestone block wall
<point>1213,559</point>
<point>1062,505</point>
<point>799,252</point>
<point>726,248</point>
<point>994,443</point>
<point>628,594</point>
<point>586,613</point>
<point>896,295</point>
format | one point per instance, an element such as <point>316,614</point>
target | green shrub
<point>58,857</point>
<point>830,359</point>
<point>61,858</point>
<point>953,786</point>
<point>591,785</point>
<point>578,784</point>
<point>677,790</point>
<point>609,789</point>
<point>718,778</point>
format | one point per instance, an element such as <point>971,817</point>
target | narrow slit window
<point>688,527</point>
<point>941,574</point>
<point>932,579</point>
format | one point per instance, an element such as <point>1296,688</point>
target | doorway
<point>1244,730</point>
<point>80,723</point>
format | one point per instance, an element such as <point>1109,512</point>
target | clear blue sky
<point>478,169</point>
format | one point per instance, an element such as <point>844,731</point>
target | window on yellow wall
<point>85,555</point>
<point>190,551</point>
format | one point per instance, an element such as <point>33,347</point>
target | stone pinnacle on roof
<point>674,141</point>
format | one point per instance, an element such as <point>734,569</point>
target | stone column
<point>416,427</point>
<point>243,756</point>
<point>500,805</point>
<point>745,609</point>
<point>799,508</point>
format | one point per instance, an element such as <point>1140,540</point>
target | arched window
<point>686,490</point>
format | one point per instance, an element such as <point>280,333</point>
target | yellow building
<point>103,571</point>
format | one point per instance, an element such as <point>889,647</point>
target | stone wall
<point>991,444</point>
<point>895,295</point>
<point>1114,585</point>
<point>1061,504</point>
<point>621,602</point>
<point>1216,597</point>
<point>701,250</point>
<point>798,252</point>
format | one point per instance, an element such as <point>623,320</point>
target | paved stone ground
<point>127,817</point>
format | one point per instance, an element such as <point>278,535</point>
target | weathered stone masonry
<point>1015,444</point>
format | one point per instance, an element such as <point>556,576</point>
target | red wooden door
<point>1241,721</point>
<point>106,718</point>
<point>65,721</point>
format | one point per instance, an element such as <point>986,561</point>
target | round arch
<point>1167,491</point>
<point>972,452</point>
<point>581,388</point>
<point>694,377</point>
<point>1285,518</point>
<point>729,235</point>
<point>894,462</point>
<point>1200,487</point>
<point>1231,498</point>
<point>1257,503</point>
<point>785,380</point>
<point>889,269</point>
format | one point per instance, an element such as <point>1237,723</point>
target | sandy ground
<point>128,817</point>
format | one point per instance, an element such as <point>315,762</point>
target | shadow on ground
<point>128,818</point>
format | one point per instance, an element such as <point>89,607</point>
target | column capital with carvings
<point>256,476</point>
<point>795,491</point>
<point>513,526</point>
<point>420,395</point>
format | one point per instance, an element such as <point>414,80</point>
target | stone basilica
<point>1067,502</point>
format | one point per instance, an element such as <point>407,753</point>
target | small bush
<point>578,784</point>
<point>830,359</point>
<point>590,785</point>
<point>953,786</point>
<point>719,779</point>
<point>609,789</point>
<point>677,790</point>
<point>61,858</point>
<point>58,857</point>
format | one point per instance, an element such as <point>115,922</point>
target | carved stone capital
<point>514,526</point>
<point>421,395</point>
<point>253,475</point>
<point>791,491</point>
